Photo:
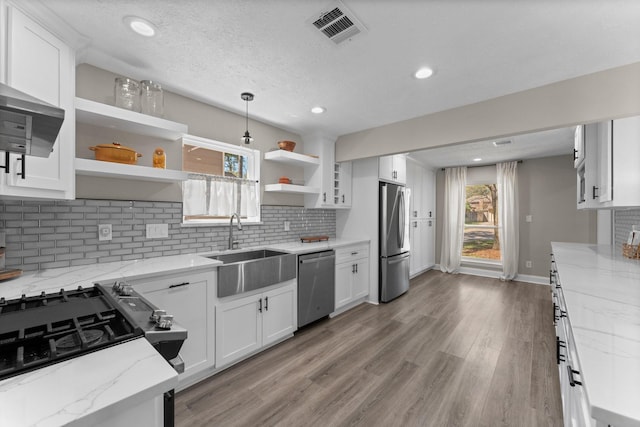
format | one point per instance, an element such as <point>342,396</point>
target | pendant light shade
<point>246,96</point>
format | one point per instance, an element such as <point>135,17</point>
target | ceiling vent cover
<point>337,23</point>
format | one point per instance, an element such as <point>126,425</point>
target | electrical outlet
<point>528,218</point>
<point>105,232</point>
<point>528,264</point>
<point>157,231</point>
<point>287,226</point>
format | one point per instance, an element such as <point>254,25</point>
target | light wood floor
<point>455,350</point>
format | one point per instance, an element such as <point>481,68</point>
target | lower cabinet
<point>244,324</point>
<point>352,274</point>
<point>190,298</point>
<point>575,405</point>
<point>422,240</point>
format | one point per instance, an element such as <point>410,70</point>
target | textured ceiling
<point>214,50</point>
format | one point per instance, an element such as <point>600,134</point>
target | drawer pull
<point>572,381</point>
<point>179,285</point>
<point>354,253</point>
<point>559,344</point>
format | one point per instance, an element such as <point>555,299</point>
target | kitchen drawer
<point>352,253</point>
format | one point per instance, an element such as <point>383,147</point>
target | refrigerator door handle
<point>401,220</point>
<point>399,259</point>
<point>383,220</point>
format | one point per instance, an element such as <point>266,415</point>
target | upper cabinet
<point>41,65</point>
<point>578,146</point>
<point>393,168</point>
<point>609,176</point>
<point>332,179</point>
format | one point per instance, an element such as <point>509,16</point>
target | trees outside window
<point>481,223</point>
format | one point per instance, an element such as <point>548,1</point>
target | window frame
<point>253,174</point>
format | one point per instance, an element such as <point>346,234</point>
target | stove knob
<point>126,290</point>
<point>155,316</point>
<point>165,321</point>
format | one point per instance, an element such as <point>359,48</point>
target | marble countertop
<point>602,293</point>
<point>298,247</point>
<point>86,390</point>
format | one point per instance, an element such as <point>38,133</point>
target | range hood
<point>27,125</point>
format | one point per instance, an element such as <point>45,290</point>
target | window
<point>223,179</point>
<point>481,223</point>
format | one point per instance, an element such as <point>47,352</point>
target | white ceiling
<point>214,50</point>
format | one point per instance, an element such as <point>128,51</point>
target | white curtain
<point>453,222</point>
<point>507,185</point>
<point>210,195</point>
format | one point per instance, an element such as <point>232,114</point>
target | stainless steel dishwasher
<point>316,286</point>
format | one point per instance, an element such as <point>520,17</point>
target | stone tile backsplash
<point>63,233</point>
<point>624,220</point>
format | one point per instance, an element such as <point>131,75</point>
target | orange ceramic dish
<point>286,145</point>
<point>115,152</point>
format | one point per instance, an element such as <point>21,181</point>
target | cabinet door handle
<point>22,174</point>
<point>266,303</point>
<point>343,198</point>
<point>594,191</point>
<point>6,162</point>
<point>353,268</point>
<point>575,154</point>
<point>559,344</point>
<point>324,197</point>
<point>177,285</point>
<point>356,268</point>
<point>572,381</point>
<point>429,214</point>
<point>260,305</point>
<point>354,253</point>
<point>415,214</point>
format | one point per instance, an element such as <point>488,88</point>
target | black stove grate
<point>42,330</point>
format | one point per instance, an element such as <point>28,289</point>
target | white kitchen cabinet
<point>351,275</point>
<point>342,185</point>
<point>190,298</point>
<point>611,178</point>
<point>332,179</point>
<point>575,404</point>
<point>393,168</point>
<point>421,181</point>
<point>41,65</point>
<point>245,324</point>
<point>578,146</point>
<point>422,239</point>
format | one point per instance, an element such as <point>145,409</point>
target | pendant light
<point>246,96</point>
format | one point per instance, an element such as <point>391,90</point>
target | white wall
<point>595,97</point>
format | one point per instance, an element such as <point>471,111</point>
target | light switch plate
<point>528,218</point>
<point>105,232</point>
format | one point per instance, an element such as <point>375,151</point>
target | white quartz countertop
<point>602,293</point>
<point>86,390</point>
<point>298,247</point>
<point>71,277</point>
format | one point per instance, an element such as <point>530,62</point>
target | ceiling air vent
<point>337,23</point>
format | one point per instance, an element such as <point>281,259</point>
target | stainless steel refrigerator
<point>394,241</point>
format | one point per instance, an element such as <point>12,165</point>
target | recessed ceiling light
<point>423,73</point>
<point>140,26</point>
<point>318,110</point>
<point>477,159</point>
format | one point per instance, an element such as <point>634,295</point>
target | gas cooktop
<point>37,331</point>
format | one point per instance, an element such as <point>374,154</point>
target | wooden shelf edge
<point>99,168</point>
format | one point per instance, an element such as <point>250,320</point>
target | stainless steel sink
<point>250,270</point>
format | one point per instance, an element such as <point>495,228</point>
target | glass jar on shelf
<point>127,93</point>
<point>151,98</point>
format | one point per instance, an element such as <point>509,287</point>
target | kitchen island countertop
<point>602,293</point>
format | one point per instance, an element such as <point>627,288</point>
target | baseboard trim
<point>495,274</point>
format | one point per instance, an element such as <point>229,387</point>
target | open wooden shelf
<point>291,158</point>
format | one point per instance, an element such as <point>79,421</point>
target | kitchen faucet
<point>237,216</point>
